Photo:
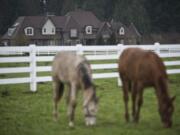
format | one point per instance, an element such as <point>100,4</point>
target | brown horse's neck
<point>162,92</point>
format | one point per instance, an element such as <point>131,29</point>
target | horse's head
<point>90,107</point>
<point>166,113</point>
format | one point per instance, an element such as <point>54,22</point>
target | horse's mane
<point>83,72</point>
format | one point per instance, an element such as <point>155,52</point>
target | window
<point>5,43</point>
<point>11,31</point>
<point>53,31</point>
<point>29,31</point>
<point>73,33</point>
<point>16,24</point>
<point>121,31</point>
<point>44,30</point>
<point>106,36</point>
<point>88,29</point>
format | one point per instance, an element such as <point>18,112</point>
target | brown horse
<point>139,69</point>
<point>75,71</point>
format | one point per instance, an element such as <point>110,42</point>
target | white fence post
<point>157,47</point>
<point>79,50</point>
<point>120,50</point>
<point>32,59</point>
<point>33,83</point>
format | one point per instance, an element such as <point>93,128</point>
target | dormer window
<point>48,28</point>
<point>53,30</point>
<point>121,31</point>
<point>44,30</point>
<point>11,31</point>
<point>88,29</point>
<point>73,33</point>
<point>16,24</point>
<point>29,31</point>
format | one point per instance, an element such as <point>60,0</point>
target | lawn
<point>26,113</point>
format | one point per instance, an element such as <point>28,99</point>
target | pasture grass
<point>26,113</point>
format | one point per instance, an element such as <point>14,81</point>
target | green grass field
<point>26,113</point>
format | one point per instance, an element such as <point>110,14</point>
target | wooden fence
<point>34,54</point>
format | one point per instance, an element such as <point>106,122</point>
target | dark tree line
<point>149,16</point>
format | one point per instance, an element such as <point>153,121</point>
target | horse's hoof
<point>87,123</point>
<point>90,121</point>
<point>71,124</point>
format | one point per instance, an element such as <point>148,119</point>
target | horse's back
<point>139,64</point>
<point>65,65</point>
<point>68,57</point>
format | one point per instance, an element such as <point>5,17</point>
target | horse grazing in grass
<point>139,69</point>
<point>75,71</point>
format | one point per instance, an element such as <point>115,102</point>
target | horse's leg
<point>58,89</point>
<point>68,94</point>
<point>160,89</point>
<point>134,96</point>
<point>72,104</point>
<point>139,101</point>
<point>87,97</point>
<point>126,97</point>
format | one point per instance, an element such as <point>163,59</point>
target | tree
<point>68,5</point>
<point>148,15</point>
<point>128,11</point>
<point>8,14</point>
<point>56,6</point>
<point>96,6</point>
<point>164,15</point>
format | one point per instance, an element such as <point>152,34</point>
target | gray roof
<point>17,26</point>
<point>116,25</point>
<point>133,30</point>
<point>105,26</point>
<point>130,31</point>
<point>37,23</point>
<point>71,23</point>
<point>85,18</point>
<point>78,19</point>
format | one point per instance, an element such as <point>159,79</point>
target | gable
<point>71,23</point>
<point>105,29</point>
<point>48,28</point>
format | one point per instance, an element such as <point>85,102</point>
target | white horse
<point>75,71</point>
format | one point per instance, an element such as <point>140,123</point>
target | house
<point>75,27</point>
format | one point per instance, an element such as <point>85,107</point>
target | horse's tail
<point>84,75</point>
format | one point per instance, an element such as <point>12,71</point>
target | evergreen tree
<point>148,15</point>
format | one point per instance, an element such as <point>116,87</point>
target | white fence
<point>93,53</point>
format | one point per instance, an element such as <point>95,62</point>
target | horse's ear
<point>173,98</point>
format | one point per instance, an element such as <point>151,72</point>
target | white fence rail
<point>94,53</point>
